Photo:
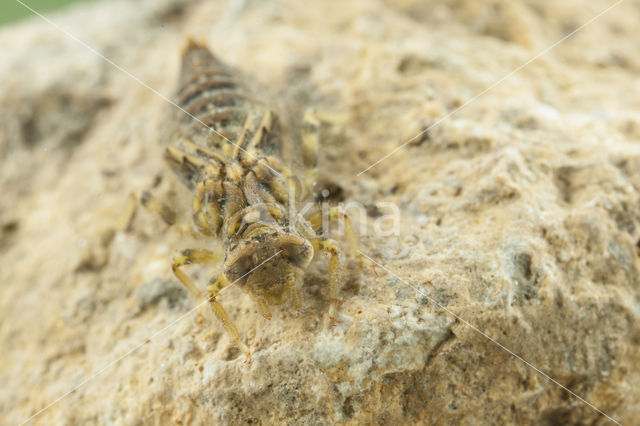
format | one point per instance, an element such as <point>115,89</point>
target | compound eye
<point>298,255</point>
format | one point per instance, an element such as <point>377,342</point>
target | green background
<point>12,11</point>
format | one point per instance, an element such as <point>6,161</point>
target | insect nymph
<point>228,149</point>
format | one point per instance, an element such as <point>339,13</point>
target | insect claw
<point>332,321</point>
<point>332,314</point>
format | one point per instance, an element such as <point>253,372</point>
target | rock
<point>517,239</point>
<point>152,292</point>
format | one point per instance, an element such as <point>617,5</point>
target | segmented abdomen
<point>221,132</point>
<point>213,96</point>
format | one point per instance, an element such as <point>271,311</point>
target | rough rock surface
<point>520,214</point>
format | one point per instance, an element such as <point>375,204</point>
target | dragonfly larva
<point>227,147</point>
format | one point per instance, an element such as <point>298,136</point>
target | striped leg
<point>330,246</point>
<point>335,214</point>
<point>192,257</point>
<point>312,121</point>
<point>310,142</point>
<point>149,201</point>
<point>215,286</point>
<point>206,212</point>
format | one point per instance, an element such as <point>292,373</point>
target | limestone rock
<point>519,217</point>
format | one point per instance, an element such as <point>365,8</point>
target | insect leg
<point>310,138</point>
<point>294,291</point>
<point>242,140</point>
<point>266,124</point>
<point>311,123</point>
<point>213,289</point>
<point>297,298</point>
<point>207,215</point>
<point>330,246</point>
<point>335,214</point>
<point>263,307</point>
<point>149,201</point>
<point>192,256</point>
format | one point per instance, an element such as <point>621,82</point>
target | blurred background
<point>12,11</point>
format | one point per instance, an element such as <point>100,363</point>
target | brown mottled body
<point>228,148</point>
